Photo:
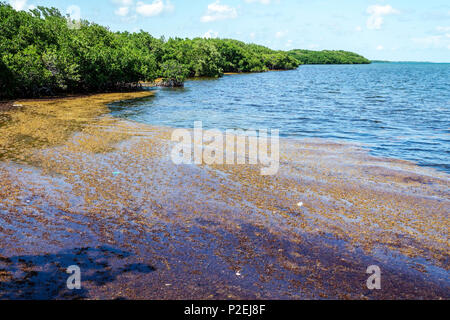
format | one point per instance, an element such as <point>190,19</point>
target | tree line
<point>327,57</point>
<point>41,55</point>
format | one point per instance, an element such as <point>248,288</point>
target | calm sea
<point>398,110</point>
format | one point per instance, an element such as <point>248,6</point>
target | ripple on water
<point>368,104</point>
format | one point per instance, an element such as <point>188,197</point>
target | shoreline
<point>211,232</point>
<point>6,105</point>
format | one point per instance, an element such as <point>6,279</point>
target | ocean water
<point>397,110</point>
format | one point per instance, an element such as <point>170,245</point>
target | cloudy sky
<point>413,30</point>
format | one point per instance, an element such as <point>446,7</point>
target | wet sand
<point>78,186</point>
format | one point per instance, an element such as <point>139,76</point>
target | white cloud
<point>210,34</point>
<point>280,34</point>
<point>122,11</point>
<point>377,13</point>
<point>380,47</point>
<point>439,40</point>
<point>124,7</point>
<point>153,9</point>
<point>289,43</point>
<point>217,11</point>
<point>358,28</point>
<point>21,5</point>
<point>259,1</point>
<point>124,3</point>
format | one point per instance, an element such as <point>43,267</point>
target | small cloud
<point>280,34</point>
<point>289,43</point>
<point>380,47</point>
<point>259,1</point>
<point>377,13</point>
<point>217,11</point>
<point>210,34</point>
<point>441,39</point>
<point>122,11</point>
<point>124,7</point>
<point>21,5</point>
<point>252,35</point>
<point>358,28</point>
<point>123,3</point>
<point>153,9</point>
<point>437,41</point>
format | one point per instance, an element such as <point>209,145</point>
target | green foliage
<point>199,56</point>
<point>173,73</point>
<point>240,57</point>
<point>327,57</point>
<point>41,55</point>
<point>213,57</point>
<point>28,69</point>
<point>5,78</point>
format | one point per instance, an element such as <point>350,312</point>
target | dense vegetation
<point>327,57</point>
<point>40,54</point>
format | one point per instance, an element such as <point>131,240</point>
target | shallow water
<point>103,192</point>
<point>398,110</point>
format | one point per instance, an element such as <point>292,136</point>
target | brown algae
<point>83,179</point>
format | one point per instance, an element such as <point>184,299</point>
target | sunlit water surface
<point>399,110</point>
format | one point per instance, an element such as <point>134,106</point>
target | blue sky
<point>388,30</point>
